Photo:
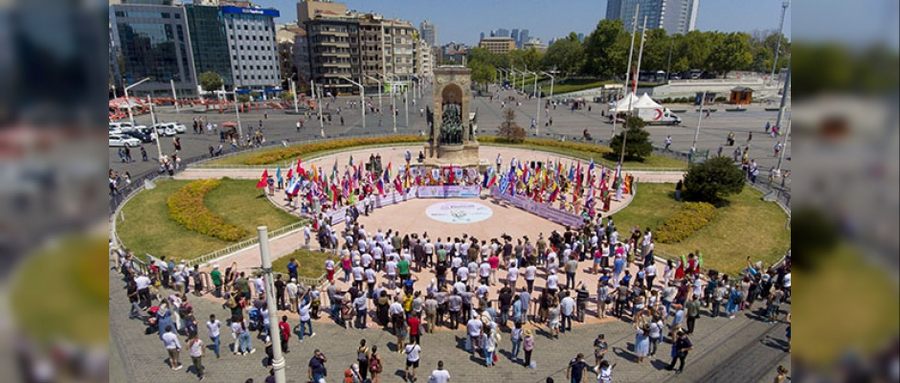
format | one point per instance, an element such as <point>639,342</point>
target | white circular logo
<point>459,212</point>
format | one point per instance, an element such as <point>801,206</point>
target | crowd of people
<point>489,286</point>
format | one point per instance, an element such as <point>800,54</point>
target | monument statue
<point>451,131</point>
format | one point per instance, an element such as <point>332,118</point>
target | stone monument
<point>451,127</point>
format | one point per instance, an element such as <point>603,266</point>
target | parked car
<point>164,129</point>
<point>178,127</point>
<point>143,137</point>
<point>123,140</point>
<point>114,129</point>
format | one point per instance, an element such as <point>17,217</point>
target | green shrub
<point>271,156</point>
<point>186,207</point>
<point>692,216</point>
<point>569,145</point>
<point>637,143</point>
<point>713,180</point>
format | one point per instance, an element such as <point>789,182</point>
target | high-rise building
<point>523,38</point>
<point>502,32</point>
<point>481,36</point>
<point>208,41</point>
<point>293,55</point>
<point>310,9</point>
<point>252,47</point>
<point>581,37</point>
<point>151,39</point>
<point>424,59</point>
<point>428,32</point>
<point>675,16</point>
<point>515,36</point>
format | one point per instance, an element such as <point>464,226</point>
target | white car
<point>164,129</point>
<point>178,127</point>
<point>121,140</point>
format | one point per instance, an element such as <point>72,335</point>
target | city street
<point>280,126</point>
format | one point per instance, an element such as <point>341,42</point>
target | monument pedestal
<point>463,155</point>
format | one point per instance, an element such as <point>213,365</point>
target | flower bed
<point>692,216</point>
<point>271,156</point>
<point>186,207</point>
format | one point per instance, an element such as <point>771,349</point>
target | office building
<point>208,41</point>
<point>502,32</point>
<point>251,42</point>
<point>293,55</point>
<point>310,9</point>
<point>428,32</point>
<point>515,36</point>
<point>535,43</point>
<point>334,52</point>
<point>424,59</point>
<point>151,39</point>
<point>675,16</point>
<point>498,45</point>
<point>523,38</point>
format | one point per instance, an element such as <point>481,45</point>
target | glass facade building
<point>209,43</point>
<point>153,41</point>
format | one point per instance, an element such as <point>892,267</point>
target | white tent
<point>625,104</point>
<point>645,102</point>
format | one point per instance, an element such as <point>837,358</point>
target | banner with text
<point>449,191</point>
<point>541,210</point>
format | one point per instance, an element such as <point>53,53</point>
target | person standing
<point>668,142</point>
<point>576,368</point>
<point>412,351</point>
<point>489,345</point>
<point>284,330</point>
<point>216,277</point>
<point>213,326</point>
<point>195,348</point>
<point>414,323</point>
<point>440,375</point>
<point>604,372</point>
<point>528,346</point>
<point>317,371</point>
<point>680,349</point>
<point>642,343</point>
<point>693,312</point>
<point>375,367</point>
<point>362,358</point>
<point>567,308</point>
<point>173,347</point>
<point>600,348</point>
<point>516,337</point>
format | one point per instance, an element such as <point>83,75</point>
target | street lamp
<point>128,101</point>
<point>537,127</point>
<point>277,357</point>
<point>312,89</point>
<point>380,89</point>
<point>393,105</point>
<point>153,129</point>
<point>362,99</point>
<point>552,79</point>
<point>697,132</point>
<point>294,92</point>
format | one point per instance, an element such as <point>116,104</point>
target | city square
<point>468,227</point>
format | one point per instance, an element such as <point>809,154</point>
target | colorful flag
<point>263,180</point>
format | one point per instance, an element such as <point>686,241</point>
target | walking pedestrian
<point>680,348</point>
<point>213,330</point>
<point>440,375</point>
<point>284,331</point>
<point>600,348</point>
<point>363,356</point>
<point>173,347</point>
<point>195,348</point>
<point>412,351</point>
<point>317,371</point>
<point>528,347</point>
<point>576,368</point>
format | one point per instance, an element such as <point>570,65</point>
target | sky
<point>463,20</point>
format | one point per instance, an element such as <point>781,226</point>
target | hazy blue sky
<point>462,20</point>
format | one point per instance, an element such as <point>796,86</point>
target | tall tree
<point>565,55</point>
<point>656,50</point>
<point>733,53</point>
<point>210,81</point>
<point>606,49</point>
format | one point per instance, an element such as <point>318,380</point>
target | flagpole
<point>637,8</point>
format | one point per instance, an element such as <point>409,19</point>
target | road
<point>280,126</point>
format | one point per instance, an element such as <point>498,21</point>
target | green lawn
<point>869,311</point>
<point>746,227</point>
<point>312,263</point>
<point>74,272</point>
<point>147,228</point>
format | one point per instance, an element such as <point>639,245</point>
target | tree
<point>656,50</point>
<point>287,96</point>
<point>566,55</point>
<point>210,81</point>
<point>243,98</point>
<point>637,142</point>
<point>510,131</point>
<point>732,53</point>
<point>692,50</point>
<point>713,180</point>
<point>606,49</point>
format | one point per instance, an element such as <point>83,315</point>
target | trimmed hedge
<point>271,156</point>
<point>186,207</point>
<point>692,216</point>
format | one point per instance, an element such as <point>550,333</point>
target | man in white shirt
<point>440,375</point>
<point>567,309</point>
<point>530,275</point>
<point>412,351</point>
<point>512,276</point>
<point>173,347</point>
<point>553,283</point>
<point>473,330</point>
<point>213,326</point>
<point>292,289</point>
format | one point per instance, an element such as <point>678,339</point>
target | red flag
<point>263,179</point>
<point>398,185</point>
<point>289,173</point>
<point>491,182</point>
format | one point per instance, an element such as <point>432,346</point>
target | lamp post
<point>393,103</point>
<point>128,101</point>
<point>380,89</point>
<point>405,107</point>
<point>784,7</point>
<point>552,79</point>
<point>537,127</point>
<point>277,357</point>
<point>312,90</point>
<point>153,127</point>
<point>294,92</point>
<point>174,96</point>
<point>697,132</point>
<point>362,99</point>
